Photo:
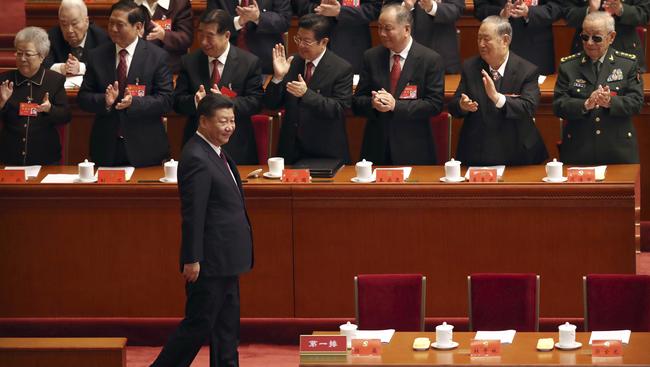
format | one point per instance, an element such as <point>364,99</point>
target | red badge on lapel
<point>28,109</point>
<point>351,3</point>
<point>166,24</point>
<point>136,90</point>
<point>409,92</point>
<point>228,92</point>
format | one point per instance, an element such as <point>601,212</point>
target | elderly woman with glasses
<point>32,104</point>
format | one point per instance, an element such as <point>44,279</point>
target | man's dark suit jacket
<point>179,39</point>
<point>532,39</point>
<point>507,135</point>
<point>242,74</point>
<point>145,138</point>
<point>314,126</point>
<point>350,36</point>
<point>406,130</point>
<point>59,48</point>
<point>275,17</point>
<point>216,231</point>
<point>635,13</point>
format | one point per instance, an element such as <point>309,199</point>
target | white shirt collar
<point>317,60</point>
<point>152,9</point>
<point>405,51</point>
<point>83,41</point>
<point>502,68</point>
<point>130,48</point>
<point>222,58</point>
<point>216,148</point>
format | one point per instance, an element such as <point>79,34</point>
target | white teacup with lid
<point>86,171</point>
<point>567,335</point>
<point>444,335</point>
<point>452,170</point>
<point>349,330</point>
<point>363,169</point>
<point>554,170</point>
<point>171,168</point>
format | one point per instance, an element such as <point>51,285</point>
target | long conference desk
<point>521,352</point>
<point>92,250</point>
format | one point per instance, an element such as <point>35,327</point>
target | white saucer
<point>445,347</point>
<point>271,175</point>
<point>448,179</point>
<point>555,180</point>
<point>362,180</point>
<point>575,345</point>
<point>167,180</point>
<point>88,180</point>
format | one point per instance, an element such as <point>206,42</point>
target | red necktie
<point>216,76</point>
<point>395,72</point>
<point>121,71</point>
<point>309,72</point>
<point>241,37</point>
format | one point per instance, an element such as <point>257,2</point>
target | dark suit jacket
<point>314,126</point>
<point>216,230</point>
<point>145,138</point>
<point>36,137</point>
<point>635,13</point>
<point>602,135</point>
<point>532,40</point>
<point>507,135</point>
<point>179,39</point>
<point>59,48</point>
<point>275,17</point>
<point>350,36</point>
<point>406,130</point>
<point>242,74</point>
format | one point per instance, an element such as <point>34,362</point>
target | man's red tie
<point>241,37</point>
<point>121,72</point>
<point>309,71</point>
<point>395,72</point>
<point>216,76</point>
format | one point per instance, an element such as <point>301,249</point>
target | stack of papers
<point>500,170</point>
<point>622,335</point>
<point>506,336</point>
<point>30,171</point>
<point>128,171</point>
<point>384,335</point>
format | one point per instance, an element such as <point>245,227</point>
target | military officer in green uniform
<point>628,15</point>
<point>597,92</point>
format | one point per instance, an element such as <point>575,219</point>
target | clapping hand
<point>112,91</point>
<point>281,63</point>
<point>490,89</point>
<point>6,90</point>
<point>383,101</point>
<point>613,7</point>
<point>519,10</point>
<point>507,10</point>
<point>71,66</point>
<point>466,104</point>
<point>328,8</point>
<point>157,33</point>
<point>297,88</point>
<point>46,106</point>
<point>250,13</point>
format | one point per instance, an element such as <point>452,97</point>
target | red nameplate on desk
<point>323,344</point>
<point>366,347</point>
<point>483,175</point>
<point>295,175</point>
<point>166,24</point>
<point>351,3</point>
<point>137,90</point>
<point>485,348</point>
<point>10,176</point>
<point>28,109</point>
<point>581,175</point>
<point>389,175</point>
<point>606,348</point>
<point>109,176</point>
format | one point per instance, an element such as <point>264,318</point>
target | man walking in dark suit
<point>315,88</point>
<point>350,36</point>
<point>597,92</point>
<point>259,25</point>
<point>217,242</point>
<point>532,27</point>
<point>497,97</point>
<point>129,88</point>
<point>219,67</point>
<point>72,39</point>
<point>400,89</point>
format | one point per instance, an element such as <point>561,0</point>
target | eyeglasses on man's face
<point>596,38</point>
<point>305,42</point>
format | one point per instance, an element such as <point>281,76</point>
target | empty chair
<point>390,301</point>
<point>503,301</point>
<point>617,302</point>
<point>262,129</point>
<point>441,131</point>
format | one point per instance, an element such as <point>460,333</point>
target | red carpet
<point>251,355</point>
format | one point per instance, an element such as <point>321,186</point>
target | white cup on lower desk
<point>444,335</point>
<point>554,170</point>
<point>452,169</point>
<point>350,331</point>
<point>86,170</point>
<point>276,166</point>
<point>567,335</point>
<point>363,169</point>
<point>171,168</point>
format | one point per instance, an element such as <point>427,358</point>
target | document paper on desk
<point>622,335</point>
<point>384,335</point>
<point>128,171</point>
<point>500,170</point>
<point>30,171</point>
<point>60,178</point>
<point>506,336</point>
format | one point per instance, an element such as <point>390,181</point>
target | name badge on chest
<point>531,2</point>
<point>165,23</point>
<point>616,75</point>
<point>28,109</point>
<point>409,92</point>
<point>351,3</point>
<point>136,90</point>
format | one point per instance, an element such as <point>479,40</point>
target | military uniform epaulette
<point>625,55</point>
<point>570,57</point>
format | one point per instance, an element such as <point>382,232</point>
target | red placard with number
<point>295,176</point>
<point>323,344</point>
<point>105,176</point>
<point>483,175</point>
<point>390,175</point>
<point>366,347</point>
<point>485,348</point>
<point>581,175</point>
<point>606,348</point>
<point>10,176</point>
